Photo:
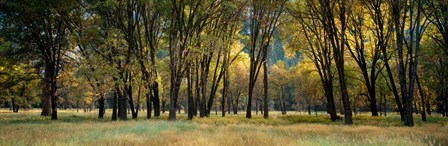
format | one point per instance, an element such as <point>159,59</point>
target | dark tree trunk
<point>101,109</point>
<point>46,99</point>
<point>394,87</point>
<point>265,89</point>
<point>331,108</point>
<point>122,105</point>
<point>224,93</point>
<point>338,45</point>
<point>197,89</point>
<point>175,84</point>
<point>190,95</point>
<point>372,98</point>
<point>309,110</point>
<point>282,102</point>
<point>249,100</point>
<point>155,99</point>
<point>54,98</point>
<point>203,104</point>
<point>128,92</point>
<point>13,105</point>
<point>115,103</point>
<point>235,106</point>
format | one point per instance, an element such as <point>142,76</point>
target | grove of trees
<point>337,56</point>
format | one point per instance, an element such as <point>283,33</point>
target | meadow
<point>84,128</point>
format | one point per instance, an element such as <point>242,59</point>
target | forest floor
<point>72,128</point>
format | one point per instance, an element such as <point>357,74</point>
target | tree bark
<point>422,97</point>
<point>190,99</point>
<point>101,109</point>
<point>122,105</point>
<point>114,107</point>
<point>265,89</point>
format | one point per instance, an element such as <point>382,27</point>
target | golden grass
<point>28,128</point>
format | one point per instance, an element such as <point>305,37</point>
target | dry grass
<point>28,128</point>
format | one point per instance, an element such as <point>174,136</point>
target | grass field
<point>72,128</point>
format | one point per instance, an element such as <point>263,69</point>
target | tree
<point>317,48</point>
<point>308,93</point>
<point>43,27</point>
<point>437,16</point>
<point>367,56</point>
<point>337,39</point>
<point>407,46</point>
<point>186,22</point>
<point>264,16</point>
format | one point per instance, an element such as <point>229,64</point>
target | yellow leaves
<point>236,47</point>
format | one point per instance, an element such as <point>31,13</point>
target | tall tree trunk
<point>13,105</point>
<point>197,88</point>
<point>175,84</point>
<point>224,91</point>
<point>373,106</point>
<point>235,106</point>
<point>265,89</point>
<point>54,98</point>
<point>190,99</point>
<point>203,104</point>
<point>249,100</point>
<point>155,98</point>
<point>338,49</point>
<point>45,97</point>
<point>115,103</point>
<point>101,109</point>
<point>128,91</point>
<point>122,105</point>
<point>331,108</point>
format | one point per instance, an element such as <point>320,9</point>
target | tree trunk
<point>197,89</point>
<point>235,106</point>
<point>13,105</point>
<point>309,110</point>
<point>373,106</point>
<point>175,84</point>
<point>190,95</point>
<point>249,100</point>
<point>46,99</point>
<point>122,105</point>
<point>53,85</point>
<point>224,94</point>
<point>114,107</point>
<point>101,109</point>
<point>331,108</point>
<point>128,92</point>
<point>155,98</point>
<point>265,89</point>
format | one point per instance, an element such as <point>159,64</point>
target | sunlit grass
<point>72,128</point>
